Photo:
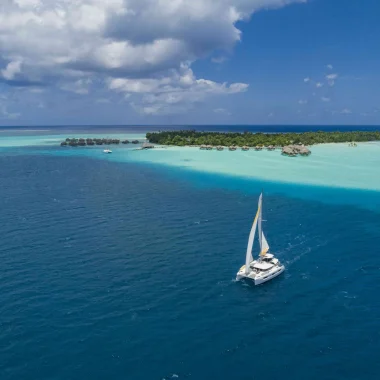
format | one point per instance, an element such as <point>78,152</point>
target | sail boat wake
<point>266,267</point>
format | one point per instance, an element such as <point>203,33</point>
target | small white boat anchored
<point>107,151</point>
<point>266,267</point>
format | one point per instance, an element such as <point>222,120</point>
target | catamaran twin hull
<point>260,277</point>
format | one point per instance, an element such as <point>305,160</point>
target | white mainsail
<point>264,246</point>
<point>248,257</point>
<point>260,219</point>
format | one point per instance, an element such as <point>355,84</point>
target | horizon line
<point>190,125</point>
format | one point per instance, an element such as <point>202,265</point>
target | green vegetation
<point>182,138</point>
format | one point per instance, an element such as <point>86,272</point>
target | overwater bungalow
<point>125,142</point>
<point>219,148</point>
<point>289,151</point>
<point>135,141</point>
<point>203,147</point>
<point>303,151</point>
<point>258,147</point>
<point>147,146</point>
<point>64,143</point>
<point>209,147</point>
<point>271,147</point>
<point>232,147</point>
<point>245,148</point>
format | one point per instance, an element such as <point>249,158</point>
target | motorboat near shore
<point>266,266</point>
<point>108,151</point>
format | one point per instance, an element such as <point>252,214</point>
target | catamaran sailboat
<point>266,267</point>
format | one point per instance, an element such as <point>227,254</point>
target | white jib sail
<point>248,257</point>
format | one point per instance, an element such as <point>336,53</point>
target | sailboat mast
<point>260,220</point>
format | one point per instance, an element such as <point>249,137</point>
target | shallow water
<point>330,165</point>
<point>125,270</point>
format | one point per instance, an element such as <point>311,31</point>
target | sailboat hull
<point>261,277</point>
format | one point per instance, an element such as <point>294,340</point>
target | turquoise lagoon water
<point>331,165</point>
<point>122,266</point>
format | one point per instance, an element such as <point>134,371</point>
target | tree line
<point>190,137</point>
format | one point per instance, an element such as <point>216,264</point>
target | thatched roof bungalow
<point>147,146</point>
<point>289,151</point>
<point>303,151</point>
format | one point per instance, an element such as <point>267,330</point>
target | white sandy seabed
<point>332,165</point>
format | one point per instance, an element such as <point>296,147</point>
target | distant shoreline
<point>25,130</point>
<point>257,140</point>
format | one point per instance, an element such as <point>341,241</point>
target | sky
<point>117,62</point>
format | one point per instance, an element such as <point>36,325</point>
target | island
<point>291,144</point>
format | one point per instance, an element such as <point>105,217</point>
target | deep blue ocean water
<point>126,271</point>
<point>215,128</point>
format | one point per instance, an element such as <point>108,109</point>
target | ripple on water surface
<point>116,270</point>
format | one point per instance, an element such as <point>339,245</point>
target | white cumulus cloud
<point>180,89</point>
<point>331,78</point>
<point>13,68</point>
<point>222,111</point>
<point>133,46</point>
